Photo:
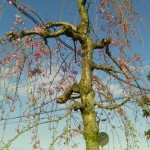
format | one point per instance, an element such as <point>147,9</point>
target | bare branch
<point>112,106</point>
<point>44,31</point>
<point>105,68</point>
<point>58,24</point>
<point>44,34</point>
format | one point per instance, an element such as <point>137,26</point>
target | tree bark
<point>91,129</point>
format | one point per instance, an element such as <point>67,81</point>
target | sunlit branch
<point>70,30</point>
<point>105,68</point>
<point>67,94</point>
<point>44,34</point>
<point>58,24</point>
<point>112,106</point>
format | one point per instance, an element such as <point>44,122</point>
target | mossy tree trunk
<point>91,129</point>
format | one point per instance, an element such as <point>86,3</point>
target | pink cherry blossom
<point>35,44</point>
<point>12,108</point>
<point>103,1</point>
<point>137,58</point>
<point>3,75</point>
<point>102,9</point>
<point>38,30</point>
<point>38,54</point>
<point>10,2</point>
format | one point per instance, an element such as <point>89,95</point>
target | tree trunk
<point>91,129</point>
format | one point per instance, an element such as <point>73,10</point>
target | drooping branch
<point>114,106</point>
<point>67,93</point>
<point>125,66</point>
<point>25,129</point>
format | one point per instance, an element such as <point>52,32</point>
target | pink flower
<point>12,108</point>
<point>74,72</point>
<point>124,27</point>
<point>38,54</point>
<point>38,30</point>
<point>103,1</point>
<point>122,62</point>
<point>3,75</point>
<point>94,77</point>
<point>102,9</point>
<point>128,80</point>
<point>137,58</point>
<point>10,2</point>
<point>34,71</point>
<point>35,146</point>
<point>17,17</point>
<point>37,142</point>
<point>58,88</point>
<point>19,39</point>
<point>74,145</point>
<point>27,115</point>
<point>114,43</point>
<point>35,44</point>
<point>119,60</point>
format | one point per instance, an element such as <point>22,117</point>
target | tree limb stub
<point>104,42</point>
<point>67,93</point>
<point>111,107</point>
<point>76,106</point>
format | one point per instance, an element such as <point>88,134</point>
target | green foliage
<point>144,102</point>
<point>147,134</point>
<point>1,10</point>
<point>148,76</point>
<point>146,112</point>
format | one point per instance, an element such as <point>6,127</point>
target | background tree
<point>86,66</point>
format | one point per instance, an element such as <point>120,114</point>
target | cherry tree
<point>83,71</point>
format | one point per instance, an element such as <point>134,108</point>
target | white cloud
<point>115,89</point>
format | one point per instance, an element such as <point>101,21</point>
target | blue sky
<point>52,10</point>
